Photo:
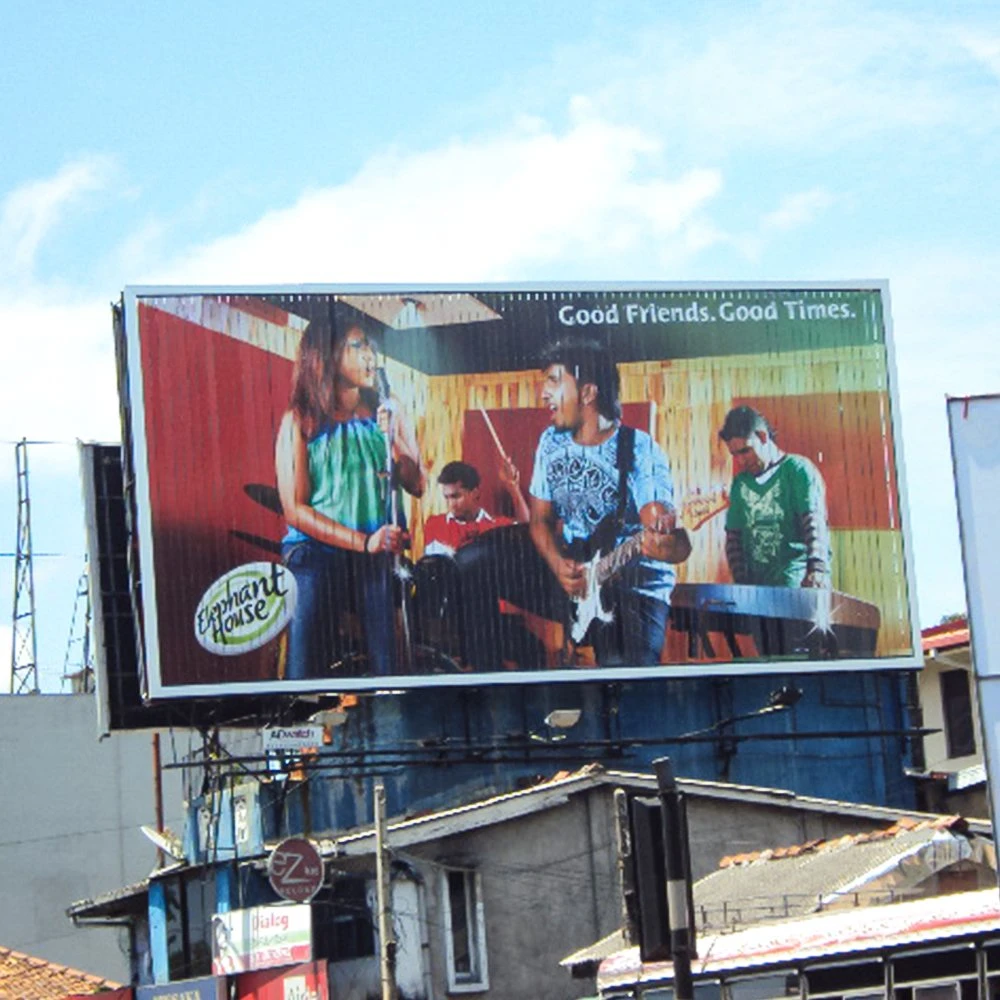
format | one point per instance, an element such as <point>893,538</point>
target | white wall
<point>70,811</point>
<point>932,705</point>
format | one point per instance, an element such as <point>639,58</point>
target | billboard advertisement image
<point>357,488</point>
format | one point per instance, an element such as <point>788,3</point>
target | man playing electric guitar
<point>595,477</point>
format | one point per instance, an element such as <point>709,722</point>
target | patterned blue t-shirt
<point>581,483</point>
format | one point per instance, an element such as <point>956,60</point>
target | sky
<point>430,141</point>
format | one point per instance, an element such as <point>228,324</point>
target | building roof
<point>859,869</point>
<point>406,831</point>
<point>23,977</point>
<point>947,635</point>
<point>808,940</point>
<point>556,790</point>
<point>864,869</point>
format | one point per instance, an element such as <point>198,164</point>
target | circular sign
<point>245,608</point>
<point>295,869</point>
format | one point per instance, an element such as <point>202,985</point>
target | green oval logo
<point>245,608</point>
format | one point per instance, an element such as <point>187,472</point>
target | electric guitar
<point>598,569</point>
<point>602,560</point>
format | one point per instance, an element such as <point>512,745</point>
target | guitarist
<point>594,477</point>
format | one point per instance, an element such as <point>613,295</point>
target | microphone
<point>382,386</point>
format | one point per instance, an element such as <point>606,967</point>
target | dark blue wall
<point>464,731</point>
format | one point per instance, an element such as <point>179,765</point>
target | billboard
<point>974,425</point>
<point>356,488</point>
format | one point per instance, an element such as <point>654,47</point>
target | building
<point>938,948</point>
<point>487,896</point>
<point>953,777</point>
<point>910,858</point>
<point>70,823</point>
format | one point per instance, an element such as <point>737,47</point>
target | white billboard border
<point>987,684</point>
<point>136,403</point>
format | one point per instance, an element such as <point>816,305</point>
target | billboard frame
<point>134,416</point>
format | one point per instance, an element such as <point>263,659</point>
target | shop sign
<point>203,988</point>
<point>305,737</point>
<point>295,870</point>
<point>308,981</point>
<point>261,937</point>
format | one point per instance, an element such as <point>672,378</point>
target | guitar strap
<point>625,459</point>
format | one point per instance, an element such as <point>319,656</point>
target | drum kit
<point>428,597</point>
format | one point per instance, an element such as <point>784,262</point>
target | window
<point>342,921</point>
<point>956,704</point>
<point>764,987</point>
<point>938,991</point>
<point>464,930</point>
<point>190,903</point>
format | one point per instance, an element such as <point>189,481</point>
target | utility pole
<point>24,647</point>
<point>677,864</point>
<point>387,941</point>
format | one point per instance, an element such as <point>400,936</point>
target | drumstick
<point>493,433</point>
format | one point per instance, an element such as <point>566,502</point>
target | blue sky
<point>319,142</point>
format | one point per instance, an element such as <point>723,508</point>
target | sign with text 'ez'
<point>360,488</point>
<point>295,869</point>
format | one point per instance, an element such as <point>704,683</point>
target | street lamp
<point>780,700</point>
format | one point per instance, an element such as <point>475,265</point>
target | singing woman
<point>335,481</point>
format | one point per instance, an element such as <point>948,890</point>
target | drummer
<point>466,517</point>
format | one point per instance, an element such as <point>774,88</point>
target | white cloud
<point>481,209</point>
<point>797,210</point>
<point>782,75</point>
<point>31,211</point>
<point>985,50</point>
<point>57,373</point>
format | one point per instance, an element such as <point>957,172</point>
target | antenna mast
<point>24,647</point>
<point>79,670</point>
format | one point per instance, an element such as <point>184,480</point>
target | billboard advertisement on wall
<point>358,488</point>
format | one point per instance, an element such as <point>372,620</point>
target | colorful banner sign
<point>261,937</point>
<point>401,487</point>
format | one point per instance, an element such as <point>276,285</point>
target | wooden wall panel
<point>690,400</point>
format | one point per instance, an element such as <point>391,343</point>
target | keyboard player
<point>777,529</point>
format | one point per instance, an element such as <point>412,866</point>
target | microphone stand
<point>392,516</point>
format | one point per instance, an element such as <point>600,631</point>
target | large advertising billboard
<point>357,488</point>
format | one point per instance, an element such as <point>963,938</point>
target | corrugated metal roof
<point>809,939</point>
<point>23,977</point>
<point>866,868</point>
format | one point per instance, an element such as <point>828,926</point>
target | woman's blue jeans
<point>331,581</point>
